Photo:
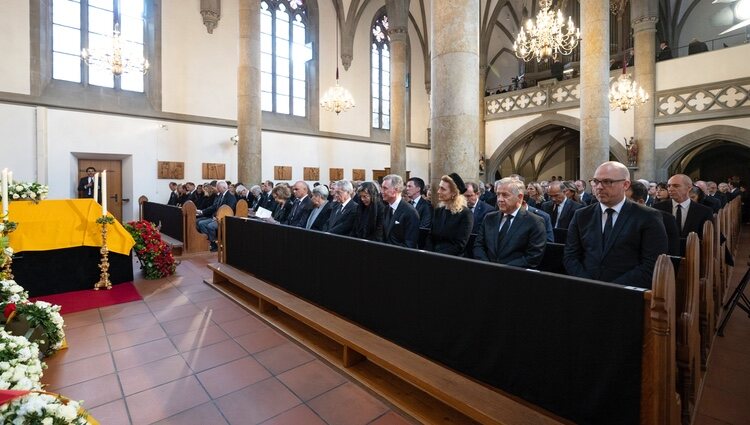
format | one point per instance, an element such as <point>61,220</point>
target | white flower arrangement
<point>47,316</point>
<point>11,292</point>
<point>22,191</point>
<point>44,409</point>
<point>20,367</point>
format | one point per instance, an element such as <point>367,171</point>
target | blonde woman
<point>452,221</point>
<point>534,195</point>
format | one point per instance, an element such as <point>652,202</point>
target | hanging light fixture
<point>625,93</point>
<point>115,59</point>
<point>337,99</point>
<point>547,37</point>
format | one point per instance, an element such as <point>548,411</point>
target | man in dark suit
<point>207,222</point>
<point>414,191</point>
<point>708,200</point>
<point>266,200</point>
<point>86,184</point>
<point>512,235</point>
<point>173,195</point>
<point>615,240</point>
<point>547,221</point>
<point>690,215</point>
<point>301,206</point>
<point>637,193</point>
<point>733,190</point>
<point>559,207</point>
<point>344,214</point>
<point>321,211</point>
<point>401,221</point>
<point>586,198</point>
<point>714,192</point>
<point>479,209</point>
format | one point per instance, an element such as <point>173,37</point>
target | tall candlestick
<point>5,192</point>
<point>104,193</point>
<point>96,187</point>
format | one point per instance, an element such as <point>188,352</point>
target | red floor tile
<point>232,376</point>
<point>205,414</point>
<point>79,371</point>
<point>119,311</point>
<point>213,355</point>
<point>391,418</point>
<point>261,340</point>
<point>185,324</point>
<point>257,403</point>
<point>138,336</point>
<point>113,413</point>
<point>296,416</point>
<point>95,392</point>
<point>82,318</point>
<point>150,375</point>
<point>130,323</point>
<point>283,357</point>
<point>143,353</point>
<point>78,350</point>
<point>83,333</point>
<point>347,405</point>
<point>244,325</point>
<point>311,379</point>
<point>166,400</point>
<point>199,338</point>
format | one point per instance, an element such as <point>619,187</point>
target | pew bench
<point>174,244</point>
<point>354,344</point>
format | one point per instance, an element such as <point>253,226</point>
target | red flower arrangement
<point>154,254</point>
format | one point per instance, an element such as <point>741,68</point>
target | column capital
<point>398,34</point>
<point>644,23</point>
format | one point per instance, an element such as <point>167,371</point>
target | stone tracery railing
<point>697,102</point>
<point>561,95</point>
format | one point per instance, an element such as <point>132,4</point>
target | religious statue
<point>481,164</point>
<point>632,148</point>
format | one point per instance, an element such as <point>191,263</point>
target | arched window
<point>284,54</point>
<point>89,24</point>
<point>381,73</point>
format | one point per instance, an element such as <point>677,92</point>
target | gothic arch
<point>510,143</point>
<point>684,144</point>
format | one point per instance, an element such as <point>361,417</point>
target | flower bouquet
<point>11,292</point>
<point>21,191</point>
<point>43,408</point>
<point>20,367</point>
<point>154,254</point>
<point>39,322</point>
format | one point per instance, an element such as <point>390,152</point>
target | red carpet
<point>72,302</point>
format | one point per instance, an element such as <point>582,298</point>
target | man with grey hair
<point>713,191</point>
<point>345,211</point>
<point>512,235</point>
<point>401,220</point>
<point>615,240</point>
<point>254,197</point>
<point>321,208</point>
<point>207,223</point>
<point>559,207</point>
<point>707,200</point>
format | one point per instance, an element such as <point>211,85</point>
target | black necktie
<point>678,217</point>
<point>607,226</point>
<point>411,202</point>
<point>554,216</point>
<point>503,229</point>
<point>295,204</point>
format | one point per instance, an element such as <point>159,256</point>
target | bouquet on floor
<point>38,407</point>
<point>20,367</point>
<point>154,254</point>
<point>39,321</point>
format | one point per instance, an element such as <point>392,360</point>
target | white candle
<point>104,193</point>
<point>96,187</point>
<point>5,193</point>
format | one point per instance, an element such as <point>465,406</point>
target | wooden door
<point>114,181</point>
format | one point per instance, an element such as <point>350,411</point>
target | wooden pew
<point>688,332</point>
<point>707,316</point>
<point>718,266</point>
<point>241,209</point>
<point>194,240</point>
<point>221,213</point>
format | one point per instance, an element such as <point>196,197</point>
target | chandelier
<point>625,93</point>
<point>337,99</point>
<point>115,59</point>
<point>547,37</point>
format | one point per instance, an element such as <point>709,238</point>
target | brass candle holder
<point>7,257</point>
<point>104,251</point>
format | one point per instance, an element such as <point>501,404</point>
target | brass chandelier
<point>114,58</point>
<point>624,93</point>
<point>549,36</point>
<point>337,99</point>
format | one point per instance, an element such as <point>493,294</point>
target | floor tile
<point>205,414</point>
<point>283,357</point>
<point>311,379</point>
<point>199,338</point>
<point>204,295</point>
<point>119,311</point>
<point>185,324</point>
<point>166,400</point>
<point>707,420</point>
<point>143,353</point>
<point>391,418</point>
<point>244,325</point>
<point>296,416</point>
<point>347,405</point>
<point>167,302</point>
<point>79,350</point>
<point>261,340</point>
<point>213,355</point>
<point>93,393</point>
<point>81,318</point>
<point>724,406</point>
<point>138,336</point>
<point>153,374</point>
<point>227,314</point>
<point>232,376</point>
<point>130,323</point>
<point>82,333</point>
<point>113,413</point>
<point>257,403</point>
<point>177,312</point>
<point>164,291</point>
<point>79,371</point>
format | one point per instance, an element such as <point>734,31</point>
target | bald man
<point>690,215</point>
<point>302,205</point>
<point>615,240</point>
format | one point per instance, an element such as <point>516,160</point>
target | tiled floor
<point>187,355</point>
<point>726,388</point>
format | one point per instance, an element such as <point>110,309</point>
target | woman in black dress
<point>281,194</point>
<point>452,221</point>
<point>369,223</point>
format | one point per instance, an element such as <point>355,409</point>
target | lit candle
<point>104,193</point>
<point>5,193</point>
<point>96,187</point>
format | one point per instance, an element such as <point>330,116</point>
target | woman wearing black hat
<point>452,221</point>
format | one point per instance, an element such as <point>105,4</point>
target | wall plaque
<point>171,170</point>
<point>311,173</point>
<point>213,171</point>
<point>282,172</point>
<point>336,174</point>
<point>358,174</point>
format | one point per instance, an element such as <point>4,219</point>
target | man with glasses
<point>615,240</point>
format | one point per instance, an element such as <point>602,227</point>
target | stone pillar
<point>249,117</point>
<point>481,142</point>
<point>455,97</point>
<point>398,20</point>
<point>644,15</point>
<point>594,87</point>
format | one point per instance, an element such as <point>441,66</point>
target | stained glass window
<point>381,73</point>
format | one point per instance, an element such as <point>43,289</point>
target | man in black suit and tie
<point>586,198</point>
<point>478,208</point>
<point>86,184</point>
<point>637,193</point>
<point>714,192</point>
<point>344,213</point>
<point>512,235</point>
<point>321,211</point>
<point>301,206</point>
<point>401,221</point>
<point>173,195</point>
<point>207,223</point>
<point>690,215</point>
<point>559,207</point>
<point>414,191</point>
<point>615,240</point>
<point>708,200</point>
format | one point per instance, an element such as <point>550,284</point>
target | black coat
<point>450,232</point>
<point>697,215</point>
<point>342,222</point>
<point>401,227</point>
<point>522,246</point>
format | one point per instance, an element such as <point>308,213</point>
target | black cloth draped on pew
<point>571,346</point>
<point>169,217</point>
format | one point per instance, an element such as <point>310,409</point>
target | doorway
<point>114,181</point>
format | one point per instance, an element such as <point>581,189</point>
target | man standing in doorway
<point>86,184</point>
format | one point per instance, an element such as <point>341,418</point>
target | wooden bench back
<point>707,317</point>
<point>194,240</point>
<point>688,321</point>
<point>223,212</point>
<point>241,209</point>
<point>141,200</point>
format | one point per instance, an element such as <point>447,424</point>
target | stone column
<point>594,86</point>
<point>249,117</point>
<point>455,97</point>
<point>481,142</point>
<point>398,20</point>
<point>644,15</point>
